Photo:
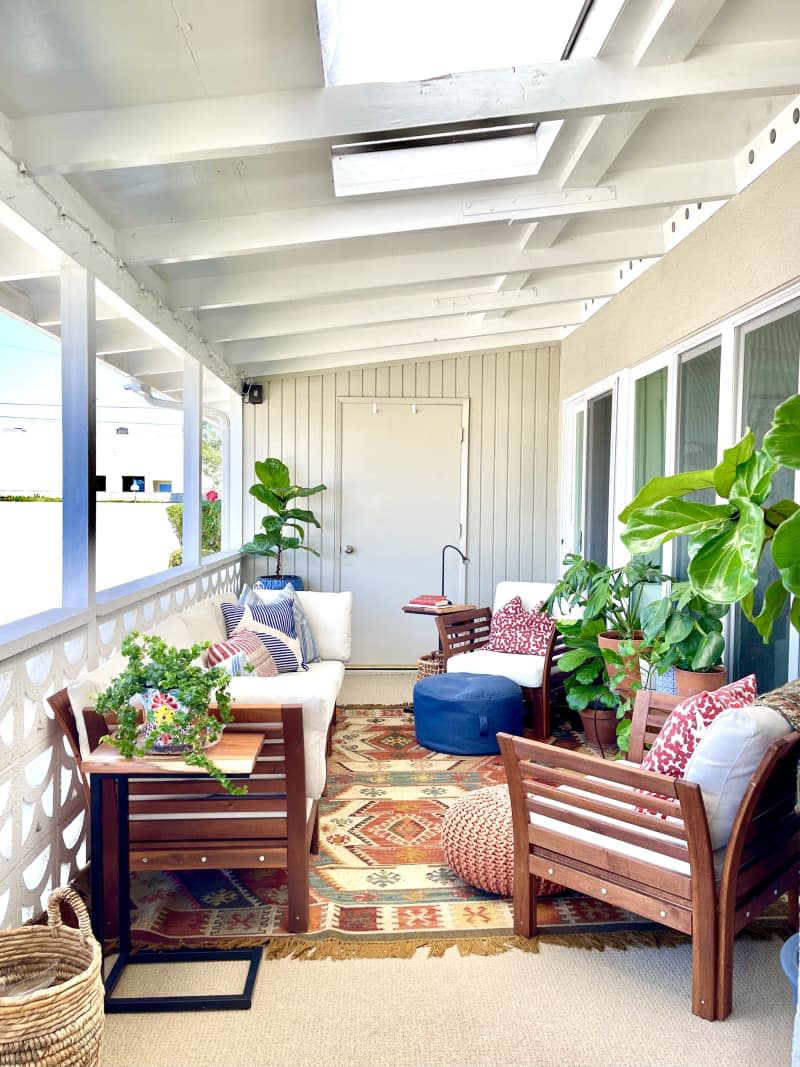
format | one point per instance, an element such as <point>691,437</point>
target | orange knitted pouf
<point>478,842</point>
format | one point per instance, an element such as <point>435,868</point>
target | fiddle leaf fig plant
<point>726,542</point>
<point>276,490</point>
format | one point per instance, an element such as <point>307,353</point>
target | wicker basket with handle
<point>62,1025</point>
<point>431,663</point>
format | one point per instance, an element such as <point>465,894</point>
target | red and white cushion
<point>243,647</point>
<point>515,629</point>
<point>688,722</point>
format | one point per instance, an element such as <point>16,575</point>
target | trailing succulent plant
<point>152,664</point>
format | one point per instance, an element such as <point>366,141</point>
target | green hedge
<point>210,533</point>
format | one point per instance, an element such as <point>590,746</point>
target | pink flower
<point>212,494</point>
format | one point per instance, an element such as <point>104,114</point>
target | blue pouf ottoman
<point>462,713</point>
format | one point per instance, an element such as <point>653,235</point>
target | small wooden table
<point>235,753</point>
<point>413,609</point>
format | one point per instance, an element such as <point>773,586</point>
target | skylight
<point>411,40</point>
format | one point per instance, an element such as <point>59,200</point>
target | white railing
<point>43,821</point>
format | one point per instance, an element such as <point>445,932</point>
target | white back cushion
<point>330,618</point>
<point>725,758</point>
<point>205,621</point>
<point>532,593</point>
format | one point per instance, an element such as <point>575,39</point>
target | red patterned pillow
<point>689,720</point>
<point>240,649</point>
<point>515,629</point>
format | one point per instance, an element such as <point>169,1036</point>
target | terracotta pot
<point>611,639</point>
<point>600,727</point>
<point>688,683</point>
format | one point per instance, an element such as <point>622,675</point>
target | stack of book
<point>427,602</point>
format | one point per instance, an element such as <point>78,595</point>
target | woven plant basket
<point>61,1026</point>
<point>430,663</point>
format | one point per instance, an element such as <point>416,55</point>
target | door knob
<point>349,550</point>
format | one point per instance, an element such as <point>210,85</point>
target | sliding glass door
<point>698,427</point>
<point>770,354</point>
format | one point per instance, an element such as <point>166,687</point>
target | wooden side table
<point>235,753</point>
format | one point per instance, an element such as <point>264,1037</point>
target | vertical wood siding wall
<point>512,506</point>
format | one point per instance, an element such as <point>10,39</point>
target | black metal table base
<point>210,1002</point>
<point>126,957</point>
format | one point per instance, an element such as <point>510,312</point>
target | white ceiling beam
<point>19,262</point>
<point>224,127</point>
<point>413,332</point>
<point>241,235</point>
<point>241,324</point>
<point>150,363</point>
<point>315,280</point>
<point>119,335</point>
<point>486,342</point>
<point>669,37</point>
<point>674,30</point>
<point>15,302</point>
<point>35,206</point>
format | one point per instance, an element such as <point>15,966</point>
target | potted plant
<point>275,489</point>
<point>602,661</point>
<point>613,594</point>
<point>683,633</point>
<point>727,541</point>
<point>586,681</point>
<point>166,702</point>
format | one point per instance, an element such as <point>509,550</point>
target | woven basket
<point>61,1026</point>
<point>431,663</point>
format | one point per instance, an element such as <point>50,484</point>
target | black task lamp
<point>464,560</point>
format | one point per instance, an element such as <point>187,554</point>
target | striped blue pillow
<point>274,625</point>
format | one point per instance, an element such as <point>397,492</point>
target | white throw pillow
<point>330,616</point>
<point>725,758</point>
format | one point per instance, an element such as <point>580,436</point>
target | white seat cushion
<point>614,844</point>
<point>525,670</point>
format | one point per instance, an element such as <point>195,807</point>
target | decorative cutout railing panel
<point>43,821</point>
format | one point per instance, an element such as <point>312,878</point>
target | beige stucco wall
<point>749,248</point>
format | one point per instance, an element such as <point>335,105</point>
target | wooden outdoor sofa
<point>184,824</point>
<point>576,823</point>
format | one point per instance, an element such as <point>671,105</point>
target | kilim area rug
<point>380,886</point>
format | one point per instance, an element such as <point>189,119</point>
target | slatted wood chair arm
<point>463,631</point>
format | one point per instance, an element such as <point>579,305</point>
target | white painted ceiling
<point>182,151</point>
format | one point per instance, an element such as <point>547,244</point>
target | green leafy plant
<point>210,529</point>
<point>275,489</point>
<point>726,542</point>
<point>152,664</point>
<point>683,630</point>
<point>608,599</point>
<point>613,594</point>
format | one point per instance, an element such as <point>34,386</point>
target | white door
<point>403,478</point>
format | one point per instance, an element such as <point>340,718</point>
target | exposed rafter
<point>214,129</point>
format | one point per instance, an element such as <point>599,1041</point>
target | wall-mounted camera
<point>252,392</point>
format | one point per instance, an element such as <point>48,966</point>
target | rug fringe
<point>338,948</point>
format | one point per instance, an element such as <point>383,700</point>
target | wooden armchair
<point>575,822</point>
<point>185,824</point>
<point>464,633</point>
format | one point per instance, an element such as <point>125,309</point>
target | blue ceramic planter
<point>271,582</point>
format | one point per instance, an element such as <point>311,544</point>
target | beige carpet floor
<point>563,1007</point>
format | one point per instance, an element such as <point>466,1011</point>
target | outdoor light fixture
<point>464,560</point>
